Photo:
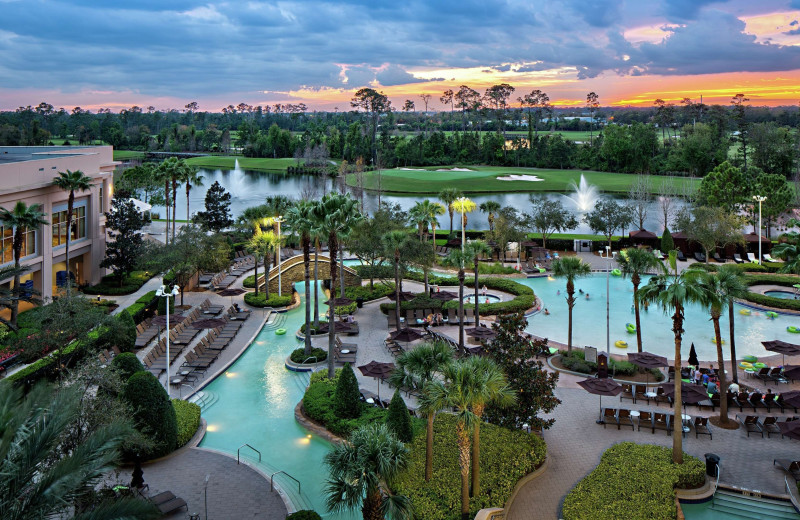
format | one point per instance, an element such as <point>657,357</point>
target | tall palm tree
<point>71,181</point>
<point>191,177</point>
<point>434,210</point>
<point>672,292</point>
<point>474,250</point>
<point>416,369</point>
<point>32,484</point>
<point>262,245</point>
<point>634,263</point>
<point>732,286</point>
<point>164,173</point>
<point>336,214</point>
<point>21,218</point>
<point>457,258</point>
<point>490,207</point>
<point>714,296</point>
<point>300,219</point>
<point>9,296</point>
<point>393,242</point>
<point>491,386</point>
<point>419,216</point>
<point>463,206</point>
<point>570,268</point>
<point>362,472</point>
<point>790,252</point>
<point>448,196</point>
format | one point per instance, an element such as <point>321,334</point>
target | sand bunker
<point>529,178</point>
<point>454,170</point>
<point>413,169</point>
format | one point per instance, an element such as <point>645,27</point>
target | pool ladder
<point>716,486</point>
<point>298,500</point>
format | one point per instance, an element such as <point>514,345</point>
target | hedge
<point>109,284</point>
<point>126,364</point>
<point>575,360</point>
<point>38,369</point>
<point>143,306</point>
<point>153,413</point>
<point>771,301</point>
<point>188,418</point>
<point>379,290</point>
<point>299,355</point>
<point>304,514</point>
<point>249,282</point>
<point>635,482</point>
<point>261,300</point>
<point>506,457</point>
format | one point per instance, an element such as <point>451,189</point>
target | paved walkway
<point>235,491</point>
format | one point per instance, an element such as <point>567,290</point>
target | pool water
<point>783,295</point>
<point>589,320</point>
<point>728,505</point>
<point>256,400</point>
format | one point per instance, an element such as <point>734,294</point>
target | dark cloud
<point>682,10</point>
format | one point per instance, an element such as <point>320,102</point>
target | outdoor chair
<point>751,424</point>
<point>770,425</point>
<point>627,393</point>
<point>610,416</point>
<point>624,418</point>
<point>776,374</point>
<point>752,258</point>
<point>661,421</point>
<point>768,258</point>
<point>756,401</point>
<point>452,316</point>
<point>639,393</point>
<point>700,257</point>
<point>792,467</point>
<point>763,375</point>
<point>701,426</point>
<point>738,259</point>
<point>660,397</point>
<point>782,404</point>
<point>681,256</point>
<point>645,418</point>
<point>741,400</point>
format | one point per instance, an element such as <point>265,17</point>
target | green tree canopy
<point>548,216</point>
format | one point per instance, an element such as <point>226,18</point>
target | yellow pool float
<point>745,365</point>
<point>744,312</point>
<point>714,340</point>
<point>621,344</point>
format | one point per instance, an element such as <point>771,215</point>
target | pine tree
<point>399,420</point>
<point>126,244</point>
<point>217,215</point>
<point>348,396</point>
<point>667,243</point>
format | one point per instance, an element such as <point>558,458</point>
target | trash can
<point>711,464</point>
<point>359,302</point>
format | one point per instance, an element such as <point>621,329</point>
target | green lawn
<point>73,141</point>
<point>122,155</point>
<point>483,179</point>
<point>228,162</point>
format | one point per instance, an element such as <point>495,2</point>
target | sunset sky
<point>116,54</point>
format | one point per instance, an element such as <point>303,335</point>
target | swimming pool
<point>256,401</point>
<point>589,320</point>
<point>488,298</point>
<point>729,505</point>
<point>783,295</point>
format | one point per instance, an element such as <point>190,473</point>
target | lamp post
<point>164,292</point>
<point>278,221</point>
<point>759,199</point>
<point>608,300</point>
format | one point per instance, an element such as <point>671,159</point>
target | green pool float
<point>280,332</point>
<point>750,359</point>
<point>630,327</point>
<point>759,365</point>
<point>793,329</point>
<point>616,272</point>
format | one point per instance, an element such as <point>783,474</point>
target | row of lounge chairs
<point>755,424</point>
<point>344,352</point>
<point>418,318</point>
<point>179,337</point>
<point>199,359</point>
<point>653,421</point>
<point>531,266</point>
<point>755,400</point>
<point>145,332</point>
<point>442,251</point>
<point>771,375</point>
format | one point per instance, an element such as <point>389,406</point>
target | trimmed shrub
<point>188,418</point>
<point>347,396</point>
<point>126,364</point>
<point>575,360</point>
<point>304,514</point>
<point>495,268</point>
<point>261,300</point>
<point>379,290</point>
<point>667,243</point>
<point>398,419</point>
<point>249,282</point>
<point>318,403</point>
<point>506,456</point>
<point>109,284</point>
<point>700,266</point>
<point>299,355</point>
<point>162,305</point>
<point>119,331</point>
<point>153,413</point>
<point>609,491</point>
<point>344,310</point>
<point>313,330</point>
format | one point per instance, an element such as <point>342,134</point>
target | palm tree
<point>474,250</point>
<point>71,181</point>
<point>732,286</point>
<point>21,218</point>
<point>457,258</point>
<point>192,178</point>
<point>790,252</point>
<point>419,216</point>
<point>570,267</point>
<point>714,296</point>
<point>491,387</point>
<point>490,207</point>
<point>164,173</point>
<point>672,292</point>
<point>634,263</point>
<point>448,196</point>
<point>262,245</point>
<point>336,214</point>
<point>463,205</point>
<point>362,472</point>
<point>434,210</point>
<point>393,242</point>
<point>32,484</point>
<point>9,295</point>
<point>415,369</point>
<point>300,219</point>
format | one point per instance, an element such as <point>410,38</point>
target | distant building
<point>27,173</point>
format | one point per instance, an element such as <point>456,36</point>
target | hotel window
<point>28,243</point>
<point>101,191</point>
<point>59,221</point>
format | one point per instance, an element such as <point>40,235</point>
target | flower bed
<point>506,457</point>
<point>633,481</point>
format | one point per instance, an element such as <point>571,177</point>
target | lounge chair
<point>624,417</point>
<point>701,426</point>
<point>792,467</point>
<point>639,392</point>
<point>752,258</point>
<point>770,425</point>
<point>776,374</point>
<point>610,416</point>
<point>768,258</point>
<point>763,375</point>
<point>166,502</point>
<point>662,421</point>
<point>718,258</point>
<point>681,256</point>
<point>738,259</point>
<point>751,424</point>
<point>645,418</point>
<point>627,393</point>
<point>700,257</point>
<point>782,404</point>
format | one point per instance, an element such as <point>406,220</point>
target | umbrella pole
<point>379,389</point>
<point>600,412</point>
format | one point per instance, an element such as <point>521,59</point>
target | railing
<point>312,357</point>
<point>791,490</point>
<point>180,392</point>
<point>278,473</point>
<point>245,445</point>
<point>716,485</point>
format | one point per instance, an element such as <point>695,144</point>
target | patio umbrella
<point>236,291</point>
<point>693,357</point>
<point>690,394</point>
<point>377,369</point>
<point>792,398</point>
<point>790,429</point>
<point>601,387</point>
<point>406,335</point>
<point>209,323</point>
<point>782,347</point>
<point>647,361</point>
<point>481,332</point>
<point>338,302</point>
<point>174,319</point>
<point>444,296</point>
<point>338,326</point>
<point>791,371</point>
<point>405,296</point>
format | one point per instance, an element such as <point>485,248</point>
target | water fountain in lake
<point>585,195</point>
